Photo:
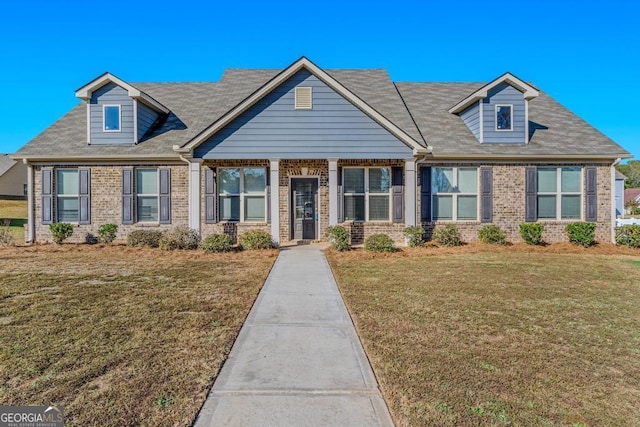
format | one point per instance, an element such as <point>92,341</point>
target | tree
<point>632,171</point>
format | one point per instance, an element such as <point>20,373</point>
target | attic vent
<point>303,98</point>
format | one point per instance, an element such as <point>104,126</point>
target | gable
<point>273,128</point>
<point>504,94</point>
<point>111,94</point>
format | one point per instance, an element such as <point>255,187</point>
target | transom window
<point>559,193</point>
<point>67,189</point>
<point>111,114</point>
<point>503,117</point>
<point>147,195</point>
<point>454,194</point>
<point>367,194</point>
<point>242,194</point>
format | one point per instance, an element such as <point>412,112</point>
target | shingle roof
<point>195,106</point>
<point>620,175</point>
<point>631,194</point>
<point>5,163</point>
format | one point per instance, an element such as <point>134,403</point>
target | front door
<point>304,206</point>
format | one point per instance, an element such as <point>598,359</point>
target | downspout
<point>30,203</point>
<point>613,199</point>
<point>190,201</point>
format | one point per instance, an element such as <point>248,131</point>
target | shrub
<point>447,235</point>
<point>107,232</point>
<point>61,231</point>
<point>628,235</point>
<point>582,233</point>
<point>150,238</point>
<point>180,237</point>
<point>339,237</point>
<point>415,235</point>
<point>216,243</point>
<point>6,237</point>
<point>531,232</point>
<point>255,239</point>
<point>492,234</point>
<point>379,243</point>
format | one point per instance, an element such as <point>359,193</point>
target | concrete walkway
<point>297,360</point>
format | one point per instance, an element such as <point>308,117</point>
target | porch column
<point>410,192</point>
<point>195,166</point>
<point>333,191</point>
<point>274,179</point>
<point>30,199</point>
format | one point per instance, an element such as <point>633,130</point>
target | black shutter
<point>84,196</point>
<point>340,200</point>
<point>268,196</point>
<point>531,194</point>
<point>127,196</point>
<point>592,194</point>
<point>165,196</point>
<point>486,189</point>
<point>210,212</point>
<point>425,194</point>
<point>398,194</point>
<point>47,195</point>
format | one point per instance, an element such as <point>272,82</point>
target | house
<point>631,197</point>
<point>296,150</point>
<point>13,178</point>
<point>619,192</point>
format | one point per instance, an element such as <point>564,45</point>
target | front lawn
<point>515,335</point>
<point>120,336</point>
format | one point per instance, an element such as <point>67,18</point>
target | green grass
<point>120,336</point>
<point>508,336</point>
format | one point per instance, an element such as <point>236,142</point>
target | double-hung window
<point>147,183</point>
<point>455,194</point>
<point>67,191</point>
<point>242,194</point>
<point>559,193</point>
<point>367,194</point>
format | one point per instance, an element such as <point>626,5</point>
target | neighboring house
<point>619,191</point>
<point>295,151</point>
<point>13,178</point>
<point>631,196</point>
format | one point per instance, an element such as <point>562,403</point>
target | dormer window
<point>111,115</point>
<point>503,117</point>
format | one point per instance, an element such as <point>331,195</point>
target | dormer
<point>499,111</point>
<point>117,112</point>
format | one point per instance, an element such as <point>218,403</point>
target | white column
<point>194,193</point>
<point>30,204</point>
<point>613,202</point>
<point>275,199</point>
<point>410,192</point>
<point>333,191</point>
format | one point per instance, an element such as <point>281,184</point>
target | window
<point>147,195</point>
<point>67,192</point>
<point>367,194</point>
<point>111,115</point>
<point>242,195</point>
<point>503,117</point>
<point>559,193</point>
<point>455,194</point>
<point>303,98</point>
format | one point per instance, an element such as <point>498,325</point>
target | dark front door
<point>304,206</point>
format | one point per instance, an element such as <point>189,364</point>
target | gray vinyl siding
<point>111,94</point>
<point>146,118</point>
<point>471,118</point>
<point>273,128</point>
<point>619,197</point>
<point>504,94</point>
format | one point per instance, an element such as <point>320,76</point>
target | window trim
<point>559,193</point>
<point>243,195</point>
<point>104,117</point>
<point>157,195</point>
<point>454,194</point>
<point>66,196</point>
<point>495,115</point>
<point>367,194</point>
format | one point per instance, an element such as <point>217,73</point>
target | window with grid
<point>242,194</point>
<point>559,193</point>
<point>454,194</point>
<point>67,189</point>
<point>147,195</point>
<point>367,194</point>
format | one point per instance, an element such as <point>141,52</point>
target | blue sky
<point>586,54</point>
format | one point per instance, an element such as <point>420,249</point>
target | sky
<point>585,54</point>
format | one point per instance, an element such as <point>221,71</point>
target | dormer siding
<point>504,94</point>
<point>111,94</point>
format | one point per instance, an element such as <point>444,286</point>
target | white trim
<point>481,109</point>
<point>367,193</point>
<point>277,81</point>
<point>243,195</point>
<point>30,204</point>
<point>316,214</point>
<point>528,91</point>
<point>526,121</point>
<point>613,202</point>
<point>300,89</point>
<point>333,192</point>
<point>559,193</point>
<point>495,117</point>
<point>274,180</point>
<point>410,195</point>
<point>455,194</point>
<point>135,121</point>
<point>195,166</point>
<point>57,195</point>
<point>88,122</point>
<point>104,118</point>
<point>156,195</point>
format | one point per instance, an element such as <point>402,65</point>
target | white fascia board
<point>528,92</point>
<point>277,81</point>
